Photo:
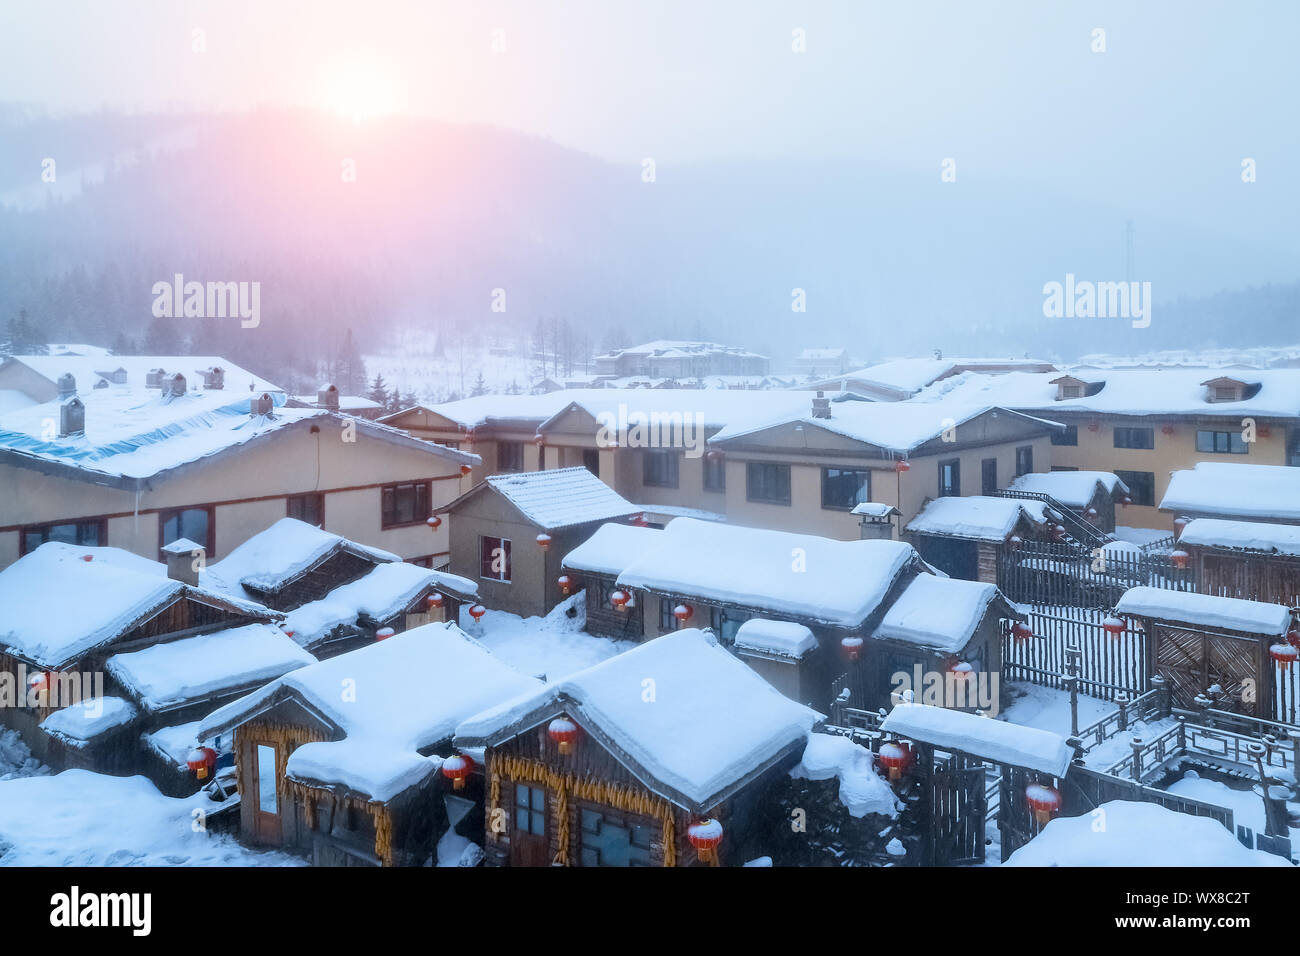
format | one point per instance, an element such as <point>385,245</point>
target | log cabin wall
<point>602,619</point>
<point>588,778</point>
<point>340,569</point>
<point>1273,579</point>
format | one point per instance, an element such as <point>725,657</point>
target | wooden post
<point>1161,687</point>
<point>1072,655</point>
<point>1137,744</point>
<point>1121,701</point>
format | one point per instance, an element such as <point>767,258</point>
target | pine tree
<point>480,386</point>
<point>162,337</point>
<point>350,372</point>
<point>378,390</point>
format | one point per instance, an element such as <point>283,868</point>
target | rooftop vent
<point>214,377</point>
<point>176,385</point>
<point>261,405</point>
<point>67,386</point>
<point>328,397</point>
<point>72,417</point>
<point>821,406</point>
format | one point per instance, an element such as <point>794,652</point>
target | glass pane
<point>521,821</point>
<point>539,798</point>
<point>266,796</point>
<point>521,795</point>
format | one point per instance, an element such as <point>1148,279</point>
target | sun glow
<point>361,87</point>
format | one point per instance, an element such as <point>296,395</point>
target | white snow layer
<point>562,497</point>
<point>1242,535</point>
<point>938,613</point>
<point>283,551</point>
<point>984,737</point>
<point>1270,492</point>
<point>612,548</point>
<point>783,638</point>
<point>1205,610</point>
<point>862,789</point>
<point>1073,488</point>
<point>79,723</point>
<point>977,517</point>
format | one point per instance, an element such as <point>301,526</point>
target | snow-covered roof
<point>896,427</point>
<point>279,555</point>
<point>1073,488</point>
<point>906,376</point>
<point>714,724</point>
<point>1205,610</point>
<point>87,368</point>
<point>1235,491</point>
<point>1153,391</point>
<point>977,517</point>
<point>874,509</point>
<point>1138,834</point>
<point>78,724</point>
<point>984,737</point>
<point>841,583</point>
<point>941,614</point>
<point>560,497</point>
<point>133,433</point>
<point>862,789</point>
<point>1258,536</point>
<point>410,692</point>
<point>173,743</point>
<point>377,596</point>
<point>56,606</point>
<point>782,638</point>
<point>612,548</point>
<point>177,673</point>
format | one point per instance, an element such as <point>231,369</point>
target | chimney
<point>328,397</point>
<point>184,558</point>
<point>72,416</point>
<point>876,530</point>
<point>261,405</point>
<point>821,406</point>
<point>214,377</point>
<point>67,386</point>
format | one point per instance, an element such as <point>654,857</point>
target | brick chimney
<point>328,397</point>
<point>67,386</point>
<point>261,405</point>
<point>184,557</point>
<point>821,406</point>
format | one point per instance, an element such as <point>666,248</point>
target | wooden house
<point>1090,495</point>
<point>780,651</point>
<point>656,757</point>
<point>1254,560</point>
<point>965,537</point>
<point>594,566</point>
<point>341,760</point>
<point>1268,493</point>
<point>1199,641</point>
<point>68,609</point>
<point>510,533</point>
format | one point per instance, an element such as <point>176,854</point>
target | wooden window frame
<point>651,480</point>
<point>320,508</point>
<point>1134,485</point>
<point>988,487</point>
<point>715,474</point>
<point>1128,431</point>
<point>25,530</point>
<point>1069,438</point>
<point>516,449</point>
<point>1027,452</point>
<point>504,543</point>
<point>751,467</point>
<point>209,546</point>
<point>844,471</point>
<point>419,519</point>
<point>1229,435</point>
<point>955,490</point>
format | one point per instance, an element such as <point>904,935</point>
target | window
<point>726,623</point>
<point>1293,447</point>
<point>1024,460</point>
<point>530,810</point>
<point>949,478</point>
<point>1225,393</point>
<point>610,838</point>
<point>659,469</point>
<point>1069,436</point>
<point>494,558</point>
<point>715,473</point>
<point>192,523</point>
<point>448,444</point>
<point>1064,468</point>
<point>591,460</point>
<point>1141,485</point>
<point>92,534</point>
<point>767,482</point>
<point>266,791</point>
<point>404,504</point>
<point>989,476</point>
<point>308,508</point>
<point>1135,438</point>
<point>1071,391</point>
<point>667,622</point>
<point>1221,443</point>
<point>510,456</point>
<point>842,488</point>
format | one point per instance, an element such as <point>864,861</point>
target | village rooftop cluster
<point>927,612</point>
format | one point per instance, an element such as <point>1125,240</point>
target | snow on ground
<point>15,759</point>
<point>79,818</point>
<point>1049,709</point>
<point>1246,805</point>
<point>555,646</point>
<point>1139,536</point>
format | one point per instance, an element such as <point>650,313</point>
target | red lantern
<point>1014,541</point>
<point>1179,558</point>
<point>705,835</point>
<point>469,436</point>
<point>434,522</point>
<point>851,647</point>
<point>544,541</point>
<point>1293,637</point>
<point>1021,631</point>
<point>1094,426</point>
<point>465,470</point>
<point>564,732</point>
<point>457,768</point>
<point>1114,626</point>
<point>1125,501</point>
<point>201,761</point>
<point>1284,655</point>
<point>1167,430</point>
<point>384,633</point>
<point>288,633</point>
<point>640,520</point>
<point>434,600</point>
<point>39,683</point>
<point>1058,532</point>
<point>539,440</point>
<point>87,557</point>
<point>1091,513</point>
<point>619,599</point>
<point>901,465</point>
<point>683,613</point>
<point>1044,802</point>
<point>1264,432</point>
<point>1181,522</point>
<point>894,757</point>
<point>477,612</point>
<point>566,584</point>
<point>962,671</point>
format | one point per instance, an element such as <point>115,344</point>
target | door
<point>530,843</point>
<point>958,806</point>
<point>591,460</point>
<point>989,476</point>
<point>1191,662</point>
<point>265,795</point>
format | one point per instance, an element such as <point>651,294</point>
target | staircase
<point>1078,532</point>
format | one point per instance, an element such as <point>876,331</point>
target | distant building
<point>900,379</point>
<point>818,363</point>
<point>666,359</point>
